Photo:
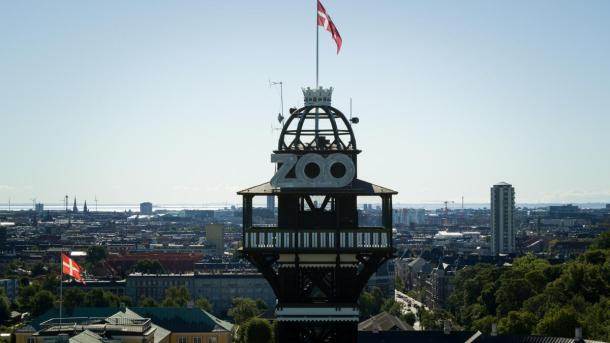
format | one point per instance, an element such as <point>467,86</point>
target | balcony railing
<point>277,239</point>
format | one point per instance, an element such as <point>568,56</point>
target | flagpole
<point>317,47</point>
<point>317,68</point>
<point>61,286</point>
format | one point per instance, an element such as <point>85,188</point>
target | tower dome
<point>317,126</point>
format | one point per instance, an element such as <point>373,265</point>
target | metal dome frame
<point>322,112</point>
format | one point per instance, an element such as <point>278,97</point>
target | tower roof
<point>356,187</point>
<point>317,126</point>
<point>502,183</point>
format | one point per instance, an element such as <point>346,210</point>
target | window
<point>31,339</point>
<point>212,339</point>
<point>196,339</point>
<point>182,339</point>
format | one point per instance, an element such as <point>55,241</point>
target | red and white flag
<point>325,21</point>
<point>71,268</point>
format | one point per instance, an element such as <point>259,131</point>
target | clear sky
<point>168,101</point>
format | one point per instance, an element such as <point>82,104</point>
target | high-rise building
<point>39,208</point>
<point>214,234</point>
<point>146,208</point>
<point>502,222</point>
<point>271,202</point>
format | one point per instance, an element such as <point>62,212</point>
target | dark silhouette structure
<point>317,259</point>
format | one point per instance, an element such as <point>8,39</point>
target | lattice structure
<point>317,259</point>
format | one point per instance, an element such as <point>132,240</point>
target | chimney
<point>446,327</point>
<point>494,329</point>
<point>578,334</point>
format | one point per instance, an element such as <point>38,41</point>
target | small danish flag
<point>325,21</point>
<point>71,268</point>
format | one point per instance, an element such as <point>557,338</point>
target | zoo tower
<point>317,259</point>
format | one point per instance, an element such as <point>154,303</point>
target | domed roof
<point>317,126</point>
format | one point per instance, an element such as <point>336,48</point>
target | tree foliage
<point>96,253</point>
<point>244,309</point>
<point>176,297</point>
<point>257,330</point>
<point>147,302</point>
<point>204,304</point>
<point>534,297</point>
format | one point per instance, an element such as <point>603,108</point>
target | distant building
<point>39,208</point>
<point>384,322</point>
<point>502,221</point>
<point>407,216</point>
<point>3,237</point>
<point>439,286</point>
<point>564,211</point>
<point>607,206</point>
<point>126,325</point>
<point>10,287</point>
<point>146,208</point>
<point>384,279</point>
<point>271,202</point>
<point>218,288</point>
<point>214,234</point>
<point>74,207</point>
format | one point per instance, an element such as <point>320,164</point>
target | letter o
<point>306,180</point>
<point>350,170</point>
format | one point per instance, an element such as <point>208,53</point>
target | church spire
<point>74,208</point>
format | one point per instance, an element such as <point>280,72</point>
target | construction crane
<point>447,202</point>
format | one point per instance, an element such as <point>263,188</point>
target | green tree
<point>25,296</point>
<point>392,307</point>
<point>601,242</point>
<point>558,323</point>
<point>124,301</point>
<point>243,309</point>
<point>73,297</point>
<point>596,320</point>
<point>42,302</point>
<point>409,318</point>
<point>176,297</point>
<point>5,307</point>
<point>258,330</point>
<point>366,303</point>
<point>433,319</point>
<point>96,253</point>
<point>399,284</point>
<point>39,269</point>
<point>204,304</point>
<point>99,298</point>
<point>511,295</point>
<point>484,324</point>
<point>147,302</point>
<point>517,323</point>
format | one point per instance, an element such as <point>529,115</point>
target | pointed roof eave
<point>356,187</point>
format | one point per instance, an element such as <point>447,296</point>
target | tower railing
<point>278,239</point>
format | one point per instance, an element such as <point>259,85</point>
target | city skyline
<point>138,105</point>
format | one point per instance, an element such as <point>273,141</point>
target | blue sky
<point>168,101</point>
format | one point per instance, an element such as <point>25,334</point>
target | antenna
<point>280,116</point>
<point>66,202</point>
<point>353,120</point>
<point>34,203</point>
<point>350,108</point>
<point>9,204</point>
<point>96,203</point>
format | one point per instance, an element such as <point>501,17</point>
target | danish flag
<point>71,268</point>
<point>325,21</point>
